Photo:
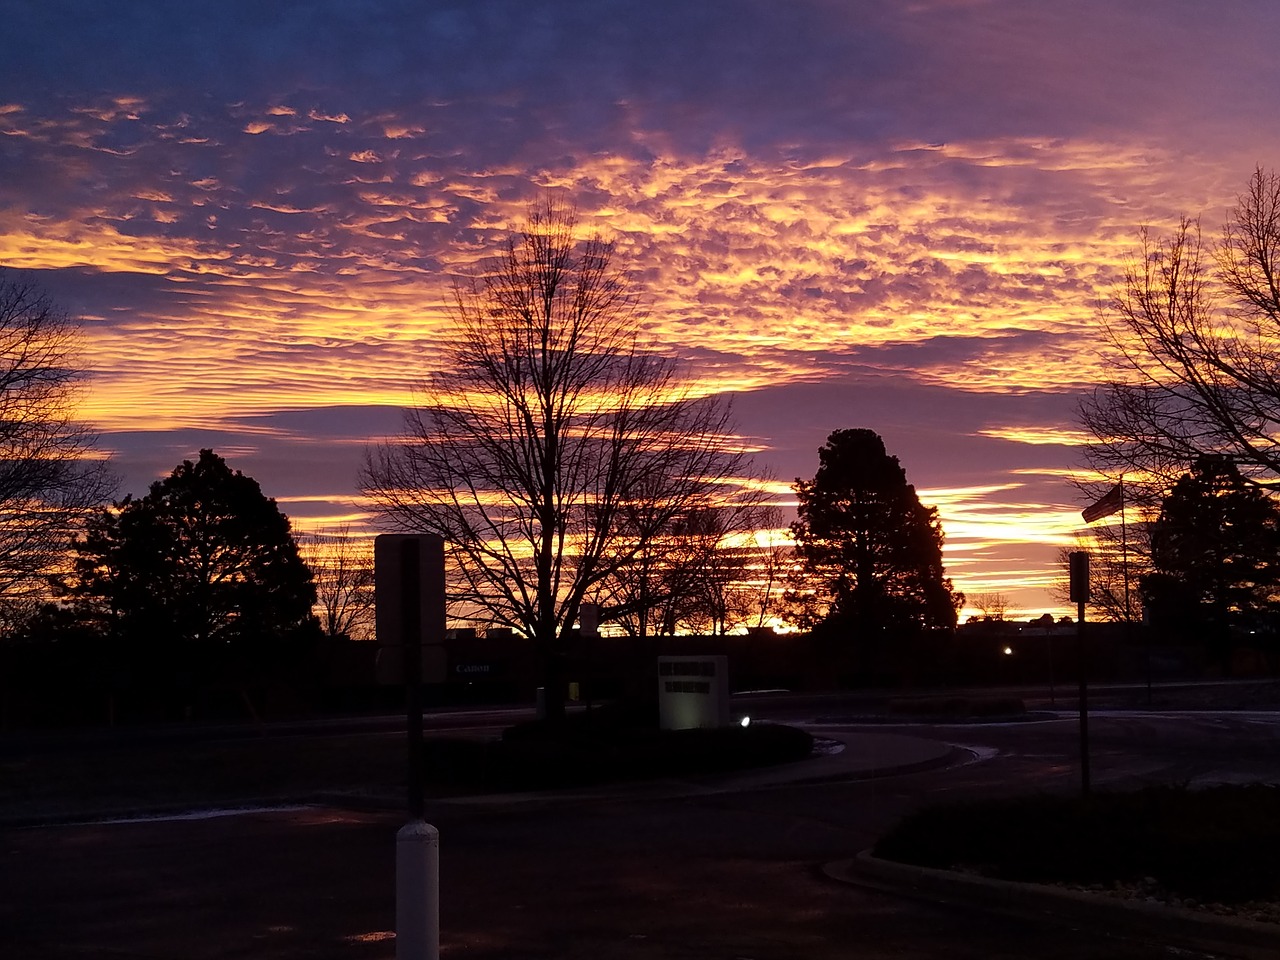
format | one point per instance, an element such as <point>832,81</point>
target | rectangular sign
<point>693,692</point>
<point>409,595</point>
<point>1079,577</point>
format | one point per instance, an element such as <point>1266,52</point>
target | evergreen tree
<point>1215,556</point>
<point>869,551</point>
<point>204,558</point>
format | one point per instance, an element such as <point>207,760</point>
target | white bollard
<point>418,892</point>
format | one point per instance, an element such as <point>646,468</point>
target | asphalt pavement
<point>149,890</point>
<point>858,754</point>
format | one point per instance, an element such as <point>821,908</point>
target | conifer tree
<point>870,553</point>
<point>1215,556</point>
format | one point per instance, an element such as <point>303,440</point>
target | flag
<point>1111,502</point>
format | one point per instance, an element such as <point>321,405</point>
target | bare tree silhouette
<point>1196,329</point>
<point>554,419</point>
<point>342,570</point>
<point>51,476</point>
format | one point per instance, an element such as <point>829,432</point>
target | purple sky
<point>901,216</point>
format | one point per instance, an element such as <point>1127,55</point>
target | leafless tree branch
<point>554,426</point>
<point>50,473</point>
<point>1197,330</point>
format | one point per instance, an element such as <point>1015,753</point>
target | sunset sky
<point>895,215</point>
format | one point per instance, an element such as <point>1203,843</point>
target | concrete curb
<point>1151,922</point>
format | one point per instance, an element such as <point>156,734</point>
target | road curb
<point>948,755</point>
<point>1153,922</point>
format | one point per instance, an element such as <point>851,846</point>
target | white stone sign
<point>693,692</point>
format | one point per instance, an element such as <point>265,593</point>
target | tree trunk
<point>553,684</point>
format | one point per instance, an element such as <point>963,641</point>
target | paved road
<point>701,869</point>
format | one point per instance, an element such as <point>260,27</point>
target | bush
<point>1220,844</point>
<point>603,724</point>
<point>608,744</point>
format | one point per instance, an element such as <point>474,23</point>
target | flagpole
<point>1113,501</point>
<point>1124,554</point>
<point>1128,610</point>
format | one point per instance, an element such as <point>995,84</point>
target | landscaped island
<point>1215,848</point>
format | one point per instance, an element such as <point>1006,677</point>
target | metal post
<point>1053,690</point>
<point>1124,552</point>
<point>1084,702</point>
<point>1079,584</point>
<point>411,631</point>
<point>402,561</point>
<point>418,892</point>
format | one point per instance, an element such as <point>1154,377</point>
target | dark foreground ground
<point>658,880</point>
<point>636,873</point>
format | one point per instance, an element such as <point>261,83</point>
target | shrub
<point>603,746</point>
<point>1219,844</point>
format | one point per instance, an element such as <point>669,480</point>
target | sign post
<point>1080,596</point>
<point>409,592</point>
